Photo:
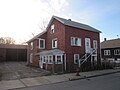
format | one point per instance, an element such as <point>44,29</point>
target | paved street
<point>105,82</point>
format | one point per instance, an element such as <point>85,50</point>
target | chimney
<point>69,19</point>
<point>105,39</point>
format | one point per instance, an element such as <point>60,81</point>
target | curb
<point>84,77</point>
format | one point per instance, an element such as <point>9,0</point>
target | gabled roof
<point>67,22</point>
<point>114,43</point>
<point>71,23</point>
<point>37,36</point>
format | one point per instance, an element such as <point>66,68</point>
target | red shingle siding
<point>63,34</point>
<point>59,34</point>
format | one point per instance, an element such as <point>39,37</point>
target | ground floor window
<point>31,58</point>
<point>76,58</point>
<point>47,59</point>
<point>50,59</point>
<point>59,59</point>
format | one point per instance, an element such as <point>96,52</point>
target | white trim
<point>31,58</point>
<point>61,57</point>
<point>107,52</point>
<point>117,52</point>
<point>87,45</point>
<point>31,45</point>
<point>49,59</point>
<point>74,43</point>
<point>43,43</point>
<point>52,28</point>
<point>75,58</point>
<point>56,43</point>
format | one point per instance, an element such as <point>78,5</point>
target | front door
<point>41,62</point>
<point>87,45</point>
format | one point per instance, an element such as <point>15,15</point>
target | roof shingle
<point>114,43</point>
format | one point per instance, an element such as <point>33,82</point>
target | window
<point>75,41</point>
<point>117,52</point>
<point>41,43</point>
<point>54,43</point>
<point>106,52</point>
<point>76,58</point>
<point>95,44</point>
<point>44,59</point>
<point>31,45</point>
<point>58,59</point>
<point>52,28</point>
<point>50,59</point>
<point>31,58</point>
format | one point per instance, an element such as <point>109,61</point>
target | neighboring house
<point>13,52</point>
<point>64,46</point>
<point>110,50</point>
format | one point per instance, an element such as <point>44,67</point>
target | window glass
<point>76,58</point>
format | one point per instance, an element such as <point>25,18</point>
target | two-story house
<point>110,50</point>
<point>64,46</point>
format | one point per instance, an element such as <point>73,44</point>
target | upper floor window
<point>117,52</point>
<point>54,43</point>
<point>52,28</point>
<point>106,52</point>
<point>41,43</point>
<point>31,45</point>
<point>76,58</point>
<point>75,41</point>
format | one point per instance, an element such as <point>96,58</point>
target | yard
<point>19,70</point>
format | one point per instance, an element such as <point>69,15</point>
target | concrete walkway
<point>27,82</point>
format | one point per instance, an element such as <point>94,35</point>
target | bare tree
<point>7,40</point>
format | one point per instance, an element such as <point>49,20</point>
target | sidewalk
<point>26,82</point>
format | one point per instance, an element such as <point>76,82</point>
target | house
<point>110,50</point>
<point>13,52</point>
<point>64,46</point>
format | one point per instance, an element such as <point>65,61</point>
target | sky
<point>21,19</point>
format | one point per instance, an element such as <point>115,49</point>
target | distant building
<point>110,50</point>
<point>64,46</point>
<point>13,52</point>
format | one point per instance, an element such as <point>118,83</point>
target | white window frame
<point>61,57</point>
<point>44,59</point>
<point>43,43</point>
<point>95,46</point>
<point>107,52</point>
<point>31,45</point>
<point>31,58</point>
<point>50,61</point>
<point>73,41</point>
<point>56,43</point>
<point>53,28</point>
<point>117,52</point>
<point>75,58</point>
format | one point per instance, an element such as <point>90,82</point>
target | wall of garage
<point>13,53</point>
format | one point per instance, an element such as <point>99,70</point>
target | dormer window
<point>52,28</point>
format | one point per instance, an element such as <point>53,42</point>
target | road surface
<point>105,82</point>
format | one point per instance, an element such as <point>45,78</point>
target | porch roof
<point>51,52</point>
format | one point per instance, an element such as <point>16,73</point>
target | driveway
<point>19,70</point>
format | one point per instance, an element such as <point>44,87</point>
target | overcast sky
<point>20,18</point>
